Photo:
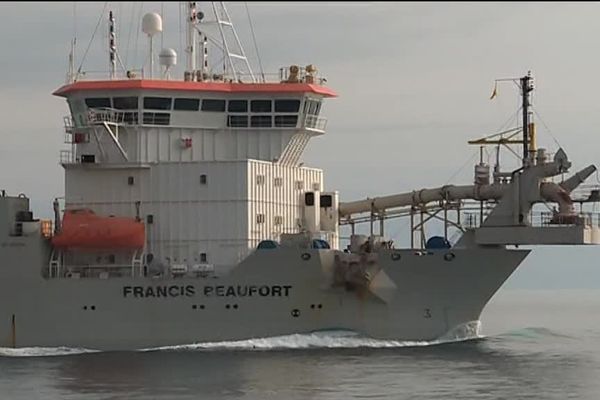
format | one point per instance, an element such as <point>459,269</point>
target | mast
<point>204,68</point>
<point>526,89</point>
<point>192,19</point>
<point>112,45</point>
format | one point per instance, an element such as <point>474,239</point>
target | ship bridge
<point>119,121</point>
<point>210,162</point>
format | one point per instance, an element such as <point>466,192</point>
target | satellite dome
<point>151,24</point>
<point>167,57</point>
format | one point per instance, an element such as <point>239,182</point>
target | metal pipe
<point>557,194</point>
<point>450,192</point>
<point>578,178</point>
<point>423,196</point>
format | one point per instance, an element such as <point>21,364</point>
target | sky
<point>414,81</point>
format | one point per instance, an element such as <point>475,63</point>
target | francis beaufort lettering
<point>171,291</point>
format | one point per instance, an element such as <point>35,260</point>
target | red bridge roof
<point>146,84</point>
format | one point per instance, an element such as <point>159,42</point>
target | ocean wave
<point>42,351</point>
<point>534,333</point>
<point>338,339</point>
<point>326,340</point>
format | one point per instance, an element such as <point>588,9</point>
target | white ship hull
<point>273,292</point>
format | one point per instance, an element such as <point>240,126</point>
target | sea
<point>530,344</point>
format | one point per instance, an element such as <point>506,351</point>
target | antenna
<point>237,52</point>
<point>167,58</point>
<point>112,45</point>
<point>204,60</point>
<point>528,128</point>
<point>151,25</point>
<point>71,68</point>
<point>191,21</point>
<point>216,28</point>
<point>510,136</point>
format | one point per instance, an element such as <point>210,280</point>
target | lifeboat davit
<point>83,229</point>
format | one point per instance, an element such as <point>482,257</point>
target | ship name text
<point>170,291</point>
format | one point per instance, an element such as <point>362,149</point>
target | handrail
<point>314,122</point>
<point>111,115</point>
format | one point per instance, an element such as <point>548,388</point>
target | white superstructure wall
<point>196,212</point>
<point>211,174</point>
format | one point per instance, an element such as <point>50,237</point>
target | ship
<point>188,215</point>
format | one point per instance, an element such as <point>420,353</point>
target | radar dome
<point>167,57</point>
<point>151,24</point>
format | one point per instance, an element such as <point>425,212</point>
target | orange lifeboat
<point>82,229</point>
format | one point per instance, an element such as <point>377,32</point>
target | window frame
<point>189,100</point>
<point>157,105</point>
<point>262,118</point>
<point>122,98</point>
<point>279,102</point>
<point>258,108</point>
<point>223,102</point>
<point>98,98</point>
<point>237,101</point>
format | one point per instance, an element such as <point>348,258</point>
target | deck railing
<point>111,115</point>
<point>315,123</point>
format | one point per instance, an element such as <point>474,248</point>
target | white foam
<point>42,351</point>
<point>327,340</point>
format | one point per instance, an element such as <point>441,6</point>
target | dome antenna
<point>167,58</point>
<point>151,25</point>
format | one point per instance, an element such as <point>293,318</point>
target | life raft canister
<point>83,229</point>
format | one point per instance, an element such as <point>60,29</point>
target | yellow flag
<point>495,92</point>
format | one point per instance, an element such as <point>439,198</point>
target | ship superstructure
<point>210,162</point>
<point>188,215</point>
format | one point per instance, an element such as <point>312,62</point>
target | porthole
<point>305,256</point>
<point>449,256</point>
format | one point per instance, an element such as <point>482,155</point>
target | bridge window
<point>187,104</point>
<point>260,106</point>
<point>156,118</point>
<point>157,103</point>
<point>266,113</point>
<point>125,103</point>
<point>238,106</point>
<point>213,105</point>
<point>237,121</point>
<point>261,121</point>
<point>312,107</point>
<point>287,105</point>
<point>98,102</point>
<point>286,120</point>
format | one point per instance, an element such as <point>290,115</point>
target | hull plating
<point>270,293</point>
